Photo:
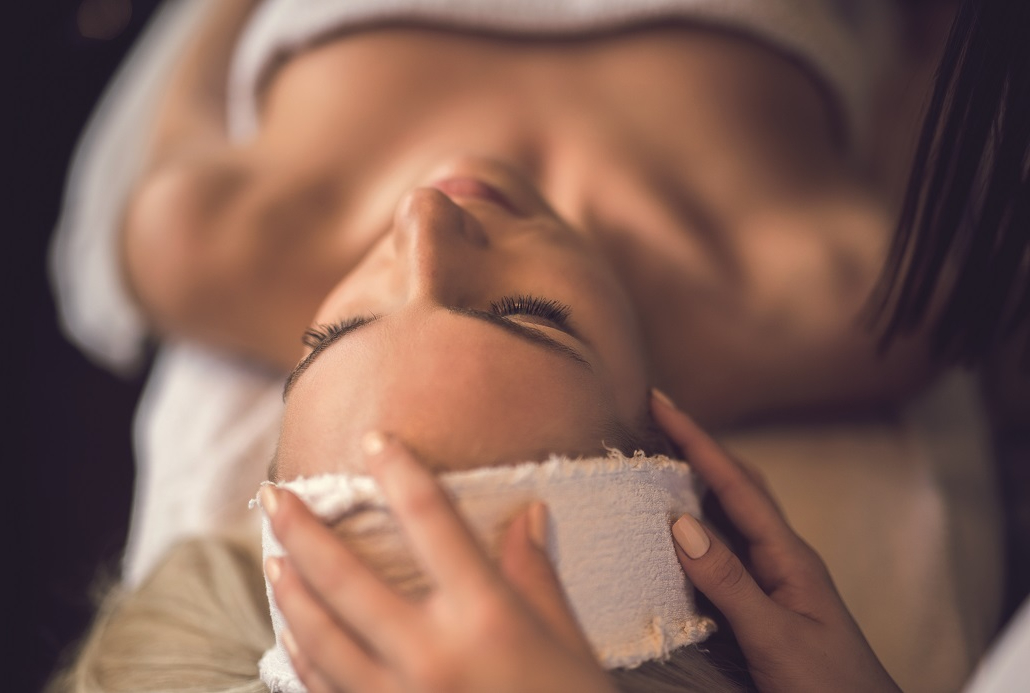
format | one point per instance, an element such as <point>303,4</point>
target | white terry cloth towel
<point>846,46</point>
<point>609,539</point>
<point>206,429</point>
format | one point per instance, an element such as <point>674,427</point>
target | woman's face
<point>480,329</point>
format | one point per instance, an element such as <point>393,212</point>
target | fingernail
<point>273,569</point>
<point>288,642</point>
<point>538,521</point>
<point>268,500</point>
<point>691,537</point>
<point>373,443</point>
<point>663,398</point>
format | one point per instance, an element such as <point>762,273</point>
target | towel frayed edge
<point>330,495</point>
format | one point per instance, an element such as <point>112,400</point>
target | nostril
<point>464,186</point>
<point>428,215</point>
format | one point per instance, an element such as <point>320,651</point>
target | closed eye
<point>556,313</point>
<point>316,335</point>
<point>532,305</point>
<point>320,337</point>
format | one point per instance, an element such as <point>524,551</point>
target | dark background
<point>70,422</point>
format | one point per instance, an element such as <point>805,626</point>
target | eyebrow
<point>523,332</point>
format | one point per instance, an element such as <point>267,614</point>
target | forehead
<point>458,392</point>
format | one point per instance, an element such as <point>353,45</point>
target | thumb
<point>719,575</point>
<point>527,567</point>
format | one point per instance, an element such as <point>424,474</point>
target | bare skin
<point>717,187</point>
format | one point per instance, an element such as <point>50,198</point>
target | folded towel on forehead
<point>609,541</point>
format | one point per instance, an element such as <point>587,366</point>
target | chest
<point>694,108</point>
<point>673,145</point>
<point>654,132</point>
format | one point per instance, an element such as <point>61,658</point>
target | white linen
<point>206,429</point>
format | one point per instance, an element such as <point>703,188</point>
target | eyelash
<point>524,304</point>
<point>520,304</point>
<point>319,334</point>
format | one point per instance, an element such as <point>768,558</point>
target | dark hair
<point>961,255</point>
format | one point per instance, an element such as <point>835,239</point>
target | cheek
<point>372,287</point>
<point>608,318</point>
<point>318,437</point>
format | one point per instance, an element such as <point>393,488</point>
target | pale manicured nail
<point>691,537</point>
<point>373,443</point>
<point>273,569</point>
<point>268,500</point>
<point>538,521</point>
<point>289,643</point>
<point>663,398</point>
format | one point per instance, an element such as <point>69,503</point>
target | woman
<point>798,638</point>
<point>199,622</point>
<point>689,182</point>
<point>237,245</point>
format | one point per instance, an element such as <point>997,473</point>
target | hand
<point>477,630</point>
<point>794,630</point>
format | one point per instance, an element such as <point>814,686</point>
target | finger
<point>334,575</point>
<point>758,478</point>
<point>527,567</point>
<point>746,503</point>
<point>720,576</point>
<point>326,647</point>
<point>439,538</point>
<point>313,681</point>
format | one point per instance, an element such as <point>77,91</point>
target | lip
<point>466,186</point>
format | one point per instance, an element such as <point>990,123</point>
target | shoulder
<point>232,252</point>
<point>176,216</point>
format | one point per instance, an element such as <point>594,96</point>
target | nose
<point>437,243</point>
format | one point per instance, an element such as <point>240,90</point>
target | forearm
<point>192,114</point>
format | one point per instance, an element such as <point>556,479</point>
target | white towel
<point>846,46</point>
<point>609,541</point>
